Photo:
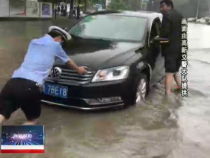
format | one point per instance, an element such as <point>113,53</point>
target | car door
<point>156,61</point>
<point>160,59</point>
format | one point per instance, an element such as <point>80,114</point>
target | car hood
<point>98,54</point>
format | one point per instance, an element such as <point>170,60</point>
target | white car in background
<point>191,19</point>
<point>204,20</point>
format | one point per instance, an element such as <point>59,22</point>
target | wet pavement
<point>155,129</point>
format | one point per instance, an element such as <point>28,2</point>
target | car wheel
<point>140,90</point>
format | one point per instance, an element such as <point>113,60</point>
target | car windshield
<point>111,27</point>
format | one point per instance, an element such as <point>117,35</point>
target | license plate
<point>55,90</point>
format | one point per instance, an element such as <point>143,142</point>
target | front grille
<point>69,75</point>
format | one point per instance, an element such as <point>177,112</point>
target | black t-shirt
<point>171,28</point>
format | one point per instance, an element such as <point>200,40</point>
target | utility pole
<point>198,6</point>
<point>71,8</point>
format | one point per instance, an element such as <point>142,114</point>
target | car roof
<point>140,13</point>
<point>151,16</point>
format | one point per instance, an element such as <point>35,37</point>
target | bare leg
<point>177,79</point>
<point>2,119</point>
<point>168,83</point>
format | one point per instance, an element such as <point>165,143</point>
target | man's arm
<point>71,64</point>
<point>61,54</point>
<point>165,26</point>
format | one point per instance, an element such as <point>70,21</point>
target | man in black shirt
<point>171,29</point>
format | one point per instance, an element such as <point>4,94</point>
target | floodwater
<point>178,128</point>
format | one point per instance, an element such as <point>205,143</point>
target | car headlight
<point>111,74</point>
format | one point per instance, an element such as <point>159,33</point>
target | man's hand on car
<point>81,70</point>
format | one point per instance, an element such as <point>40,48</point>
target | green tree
<point>125,5</point>
<point>50,1</point>
<point>97,1</point>
<point>135,4</point>
<point>189,7</point>
<point>118,5</point>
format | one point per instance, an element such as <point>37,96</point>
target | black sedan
<point>122,58</point>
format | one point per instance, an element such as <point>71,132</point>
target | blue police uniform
<point>40,59</point>
<point>21,91</point>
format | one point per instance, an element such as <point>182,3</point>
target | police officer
<point>23,89</point>
<point>171,29</point>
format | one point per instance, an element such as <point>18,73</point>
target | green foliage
<point>125,5</point>
<point>119,5</point>
<point>135,4</point>
<point>97,1</point>
<point>50,1</point>
<point>188,8</point>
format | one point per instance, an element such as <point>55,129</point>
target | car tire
<point>140,90</point>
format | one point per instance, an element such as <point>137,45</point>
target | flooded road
<point>156,129</point>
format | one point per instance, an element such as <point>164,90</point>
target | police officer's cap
<point>61,31</point>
